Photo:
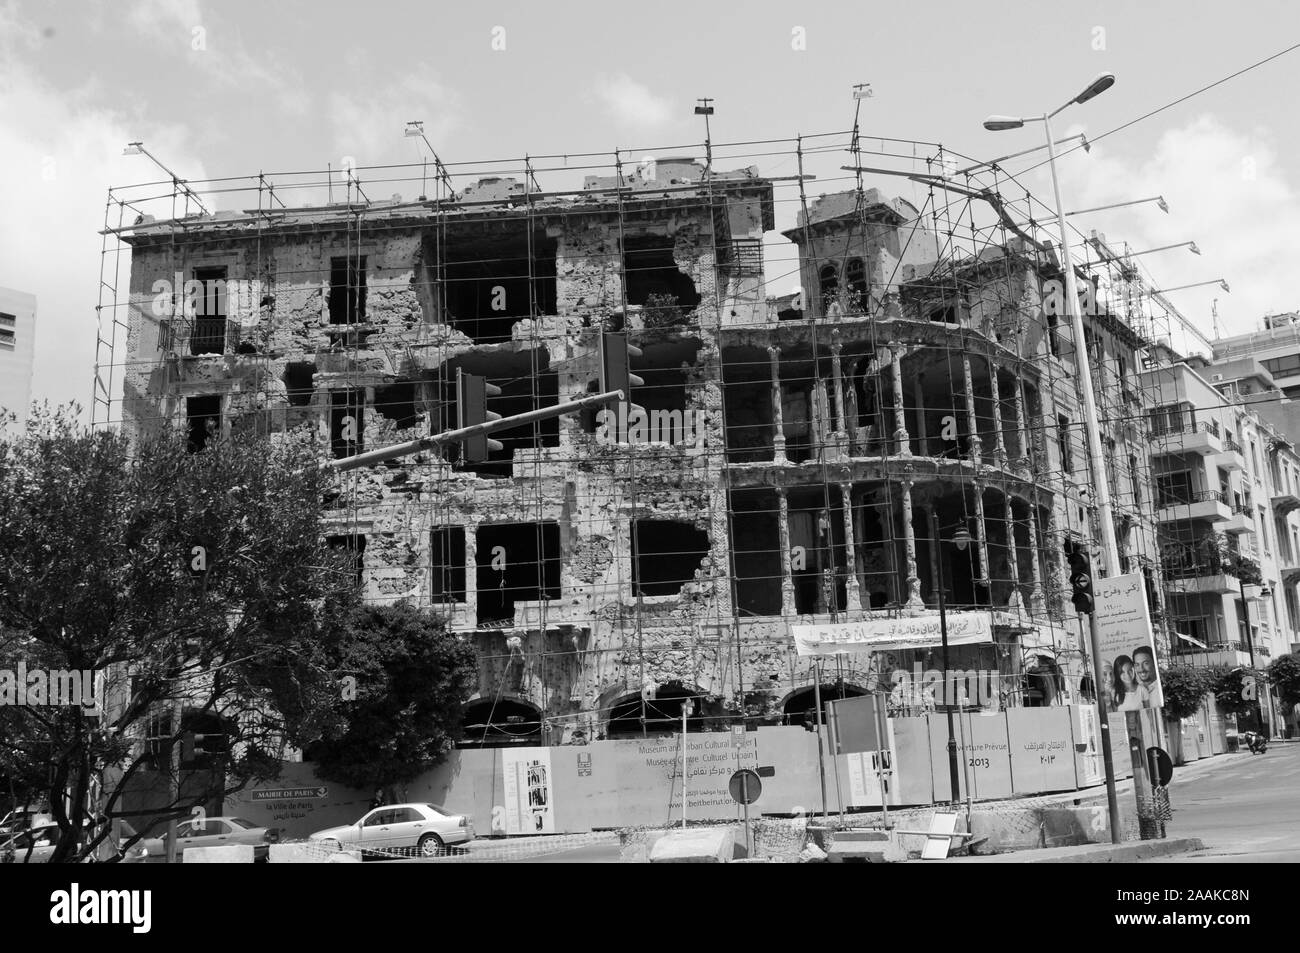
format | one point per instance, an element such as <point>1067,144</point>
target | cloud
<point>630,102</point>
<point>368,123</point>
<point>61,153</point>
<point>1226,191</point>
<point>214,50</point>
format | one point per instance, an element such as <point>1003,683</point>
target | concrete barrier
<point>701,845</point>
<point>308,853</point>
<point>229,854</point>
<point>865,847</point>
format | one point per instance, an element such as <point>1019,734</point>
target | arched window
<point>828,286</point>
<point>663,713</point>
<point>855,277</point>
<point>500,723</point>
<point>801,706</point>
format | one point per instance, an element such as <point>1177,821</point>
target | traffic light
<point>198,745</point>
<point>472,393</point>
<point>1080,577</point>
<point>616,374</point>
<point>187,747</point>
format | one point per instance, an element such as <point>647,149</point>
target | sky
<point>231,88</point>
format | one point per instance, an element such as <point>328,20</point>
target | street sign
<point>1162,766</point>
<point>745,786</point>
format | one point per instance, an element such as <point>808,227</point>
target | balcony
<point>1203,437</point>
<point>1242,520</point>
<point>1207,565</point>
<point>1285,502</point>
<point>1229,654</point>
<point>1202,504</point>
<point>1232,457</point>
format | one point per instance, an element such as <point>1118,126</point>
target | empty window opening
<point>397,402</point>
<point>801,706</point>
<point>663,395</point>
<point>516,562</point>
<point>500,723</point>
<point>651,270</point>
<point>662,713</point>
<point>665,556</point>
<point>209,310</point>
<point>203,415</point>
<point>756,552</point>
<point>855,277</point>
<point>828,286</point>
<point>747,400</point>
<point>486,286</point>
<point>946,314</point>
<point>1063,443</point>
<point>347,422</point>
<point>447,558</point>
<point>526,385</point>
<point>817,552</point>
<point>298,377</point>
<point>347,298</point>
<point>352,550</point>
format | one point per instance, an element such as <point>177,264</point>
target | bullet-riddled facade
<point>826,456</point>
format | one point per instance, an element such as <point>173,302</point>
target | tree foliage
<point>1184,688</point>
<point>1284,676</point>
<point>1230,694</point>
<point>412,680</point>
<point>96,537</point>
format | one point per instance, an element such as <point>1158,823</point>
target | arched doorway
<point>500,723</point>
<point>663,713</point>
<point>801,706</point>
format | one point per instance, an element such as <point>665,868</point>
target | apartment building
<point>17,350</point>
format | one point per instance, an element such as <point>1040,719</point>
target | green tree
<point>1184,688</point>
<point>412,680</point>
<point>98,573</point>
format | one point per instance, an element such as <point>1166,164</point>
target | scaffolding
<point>856,379</point>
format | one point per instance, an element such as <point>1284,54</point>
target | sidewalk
<point>1126,853</point>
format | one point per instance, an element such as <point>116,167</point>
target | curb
<point>1091,853</point>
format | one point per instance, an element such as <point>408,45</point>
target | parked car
<point>208,832</point>
<point>146,850</point>
<point>427,828</point>
<point>32,846</point>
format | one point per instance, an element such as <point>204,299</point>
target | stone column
<point>981,537</point>
<point>783,538</point>
<point>841,433</point>
<point>471,571</point>
<point>1022,427</point>
<point>976,445</point>
<point>851,411</point>
<point>778,424</point>
<point>1037,605</point>
<point>923,443</point>
<point>914,600</point>
<point>999,443</point>
<point>933,522</point>
<point>1013,559</point>
<point>900,419</point>
<point>850,550</point>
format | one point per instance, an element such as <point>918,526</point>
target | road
<point>1245,812</point>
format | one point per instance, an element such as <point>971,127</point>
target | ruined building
<point>910,413</point>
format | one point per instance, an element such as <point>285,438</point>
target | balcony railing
<point>1208,556</point>
<point>1230,444</point>
<point>1183,648</point>
<point>1197,496</point>
<point>1164,428</point>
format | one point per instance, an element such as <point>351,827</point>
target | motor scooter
<point>1256,742</point>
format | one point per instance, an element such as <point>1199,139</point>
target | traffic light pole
<point>1103,722</point>
<point>464,433</point>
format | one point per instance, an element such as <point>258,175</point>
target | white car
<point>396,828</point>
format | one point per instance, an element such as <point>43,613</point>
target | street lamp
<point>961,539</point>
<point>1199,284</point>
<point>1096,455</point>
